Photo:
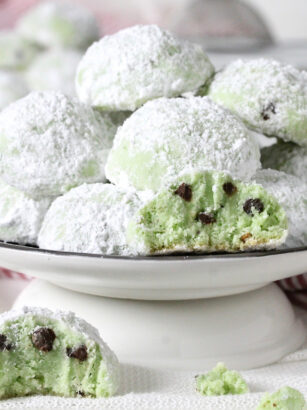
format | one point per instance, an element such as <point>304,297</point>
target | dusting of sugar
<point>137,64</point>
<point>287,157</point>
<point>20,216</point>
<point>76,324</point>
<point>50,142</point>
<point>291,193</point>
<point>179,135</point>
<point>264,93</point>
<point>90,219</point>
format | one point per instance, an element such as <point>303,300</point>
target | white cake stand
<point>174,312</point>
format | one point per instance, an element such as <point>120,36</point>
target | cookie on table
<point>59,23</point>
<point>167,136</point>
<point>16,53</point>
<point>286,157</point>
<point>269,96</point>
<point>12,87</point>
<point>285,398</point>
<point>54,353</point>
<point>140,63</point>
<point>291,193</point>
<point>54,70</point>
<point>221,381</point>
<point>208,211</point>
<point>90,219</point>
<point>20,216</point>
<point>50,142</point>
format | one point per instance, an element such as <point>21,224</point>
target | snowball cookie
<point>166,136</point>
<point>53,353</point>
<point>59,23</point>
<point>89,219</point>
<point>270,97</point>
<point>221,381</point>
<point>50,142</point>
<point>137,64</point>
<point>20,216</point>
<point>291,193</point>
<point>12,87</point>
<point>287,157</point>
<point>15,52</point>
<point>208,211</point>
<point>54,70</point>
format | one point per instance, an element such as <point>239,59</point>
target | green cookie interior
<point>65,370</point>
<point>208,211</point>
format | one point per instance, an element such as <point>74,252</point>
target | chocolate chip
<point>80,393</point>
<point>269,109</point>
<point>43,339</point>
<point>184,191</point>
<point>4,345</point>
<point>229,188</point>
<point>253,203</point>
<point>206,219</point>
<point>79,353</point>
<point>2,342</point>
<point>245,236</point>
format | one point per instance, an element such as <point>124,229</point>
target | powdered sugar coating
<point>137,64</point>
<point>12,87</point>
<point>59,23</point>
<point>291,193</point>
<point>50,142</point>
<point>54,70</point>
<point>287,157</point>
<point>269,96</point>
<point>169,136</point>
<point>76,324</point>
<point>89,219</point>
<point>20,216</point>
<point>15,51</point>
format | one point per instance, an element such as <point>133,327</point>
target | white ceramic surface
<point>156,278</point>
<point>244,331</point>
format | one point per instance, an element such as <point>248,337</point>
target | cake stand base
<point>245,331</point>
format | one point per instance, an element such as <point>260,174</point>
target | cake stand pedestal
<point>245,330</point>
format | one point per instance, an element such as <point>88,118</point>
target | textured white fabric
<point>150,389</point>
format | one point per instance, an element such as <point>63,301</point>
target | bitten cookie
<point>54,353</point>
<point>208,212</point>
